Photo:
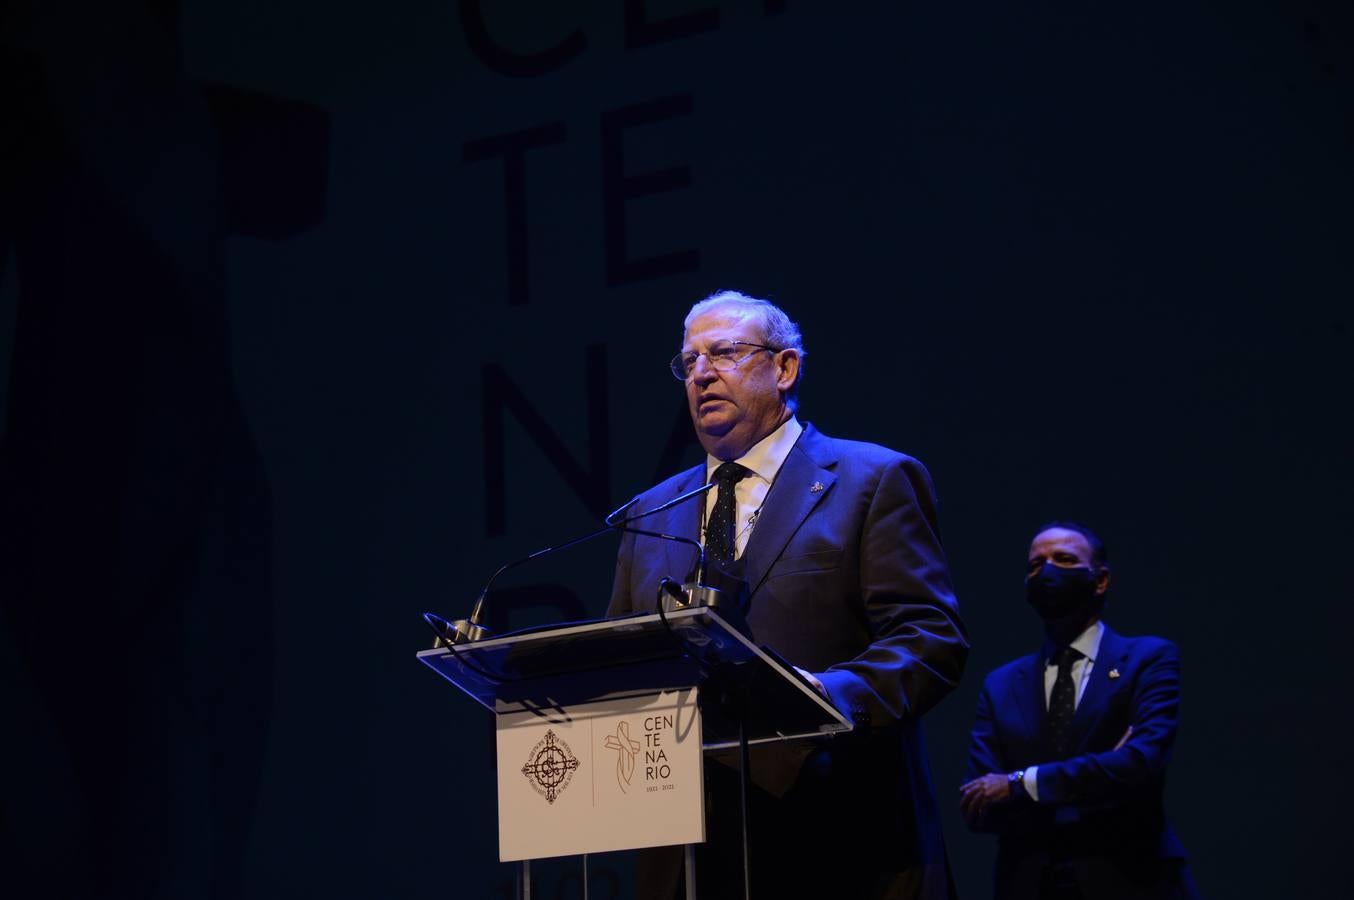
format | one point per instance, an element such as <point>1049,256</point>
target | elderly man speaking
<point>838,543</point>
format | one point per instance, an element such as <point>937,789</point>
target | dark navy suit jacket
<point>847,579</point>
<point>1100,808</point>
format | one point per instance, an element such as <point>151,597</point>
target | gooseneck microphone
<point>610,519</point>
<point>664,507</point>
<point>470,629</point>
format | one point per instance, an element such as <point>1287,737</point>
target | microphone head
<point>612,516</point>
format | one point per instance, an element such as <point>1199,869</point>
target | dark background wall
<point>317,312</point>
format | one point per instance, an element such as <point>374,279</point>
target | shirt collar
<point>1087,644</point>
<point>767,455</point>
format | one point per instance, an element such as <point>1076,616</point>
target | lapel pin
<point>1114,673</point>
<point>815,487</point>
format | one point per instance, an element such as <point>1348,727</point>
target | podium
<point>689,670</point>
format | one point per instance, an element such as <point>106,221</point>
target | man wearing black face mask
<point>1067,759</point>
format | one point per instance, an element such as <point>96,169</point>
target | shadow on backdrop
<point>136,513</point>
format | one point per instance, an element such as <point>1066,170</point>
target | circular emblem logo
<point>550,767</point>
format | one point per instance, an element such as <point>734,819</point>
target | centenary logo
<point>626,751</point>
<point>550,767</point>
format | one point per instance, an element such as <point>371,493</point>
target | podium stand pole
<point>744,776</point>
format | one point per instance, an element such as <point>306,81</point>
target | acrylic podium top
<point>551,668</point>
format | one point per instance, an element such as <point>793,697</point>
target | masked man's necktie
<point>1062,701</point>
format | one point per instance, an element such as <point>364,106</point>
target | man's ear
<point>789,369</point>
<point>1102,581</point>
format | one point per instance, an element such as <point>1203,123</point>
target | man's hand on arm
<point>978,796</point>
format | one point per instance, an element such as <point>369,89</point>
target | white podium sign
<point>612,775</point>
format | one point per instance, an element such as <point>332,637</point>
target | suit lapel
<point>683,520</point>
<point>1026,691</point>
<point>801,484</point>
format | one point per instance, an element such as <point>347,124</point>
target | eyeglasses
<point>723,356</point>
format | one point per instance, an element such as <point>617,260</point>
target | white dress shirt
<point>1088,644</point>
<point>764,461</point>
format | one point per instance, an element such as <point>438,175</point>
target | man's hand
<point>981,794</point>
<point>813,680</point>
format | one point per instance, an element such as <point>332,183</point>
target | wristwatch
<point>1017,781</point>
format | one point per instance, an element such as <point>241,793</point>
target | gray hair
<point>778,329</point>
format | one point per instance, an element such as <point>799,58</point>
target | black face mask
<point>1057,592</point>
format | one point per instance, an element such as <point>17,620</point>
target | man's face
<point>1066,548</point>
<point>735,409</point>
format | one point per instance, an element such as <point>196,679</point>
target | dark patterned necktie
<point>1062,703</point>
<point>720,540</point>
